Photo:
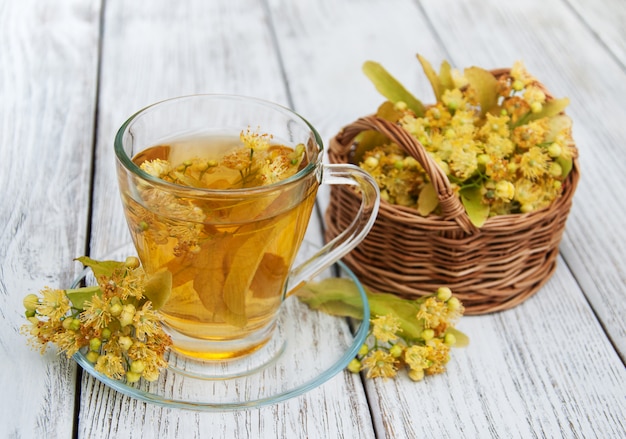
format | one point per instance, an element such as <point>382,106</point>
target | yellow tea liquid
<point>229,257</point>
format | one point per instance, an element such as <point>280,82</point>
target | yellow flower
<point>157,168</point>
<point>453,99</point>
<point>531,134</point>
<point>505,190</point>
<point>534,95</point>
<point>434,313</point>
<point>519,73</point>
<point>438,356</point>
<point>97,313</point>
<point>380,364</point>
<point>385,328</point>
<point>255,140</point>
<point>54,305</point>
<point>463,159</point>
<point>498,125</point>
<point>111,366</point>
<point>534,163</point>
<point>527,194</point>
<point>416,357</point>
<point>499,146</point>
<point>146,322</point>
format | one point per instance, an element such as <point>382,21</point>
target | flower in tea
<point>113,322</point>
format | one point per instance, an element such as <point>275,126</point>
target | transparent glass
<point>303,365</point>
<point>230,252</point>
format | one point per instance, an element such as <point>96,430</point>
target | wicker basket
<point>489,269</point>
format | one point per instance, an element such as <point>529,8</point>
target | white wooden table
<point>71,71</point>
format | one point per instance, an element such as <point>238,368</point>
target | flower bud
<point>75,325</point>
<point>396,351</point>
<point>454,304</point>
<point>132,377</point>
<point>132,262</point>
<point>30,302</point>
<point>354,366</point>
<point>94,344</point>
<point>364,350</point>
<point>105,334</point>
<point>444,293</point>
<point>92,356</point>
<point>137,366</point>
<point>555,150</point>
<point>125,342</point>
<point>126,317</point>
<point>428,334</point>
<point>449,339</point>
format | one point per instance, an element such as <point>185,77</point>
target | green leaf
<point>341,297</point>
<point>78,296</point>
<point>390,88</point>
<point>432,76</point>
<point>566,165</point>
<point>427,200</point>
<point>477,211</point>
<point>445,76</point>
<point>485,85</point>
<point>100,268</point>
<point>158,288</point>
<point>549,109</point>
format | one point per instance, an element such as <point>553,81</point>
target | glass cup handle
<point>341,174</point>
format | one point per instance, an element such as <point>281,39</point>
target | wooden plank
<point>527,371</point>
<point>154,50</point>
<point>605,23</point>
<point>48,54</point>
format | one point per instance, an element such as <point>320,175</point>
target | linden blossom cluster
<point>387,348</point>
<point>415,334</point>
<point>504,146</point>
<point>113,322</point>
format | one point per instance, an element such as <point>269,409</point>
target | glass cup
<point>229,251</point>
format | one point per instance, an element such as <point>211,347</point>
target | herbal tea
<point>229,256</point>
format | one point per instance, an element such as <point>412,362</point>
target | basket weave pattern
<point>490,269</point>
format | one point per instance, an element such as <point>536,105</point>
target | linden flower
<point>534,163</point>
<point>505,190</point>
<point>385,328</point>
<point>516,137</point>
<point>157,168</point>
<point>416,357</point>
<point>433,312</point>
<point>103,322</point>
<point>418,342</point>
<point>111,366</point>
<point>54,304</point>
<point>380,364</point>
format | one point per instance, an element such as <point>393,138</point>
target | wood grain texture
<point>551,367</point>
<point>48,59</point>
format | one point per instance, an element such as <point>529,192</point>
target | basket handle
<point>451,206</point>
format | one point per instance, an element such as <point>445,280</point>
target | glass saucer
<point>309,348</point>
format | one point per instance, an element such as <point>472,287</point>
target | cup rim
<point>127,162</point>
